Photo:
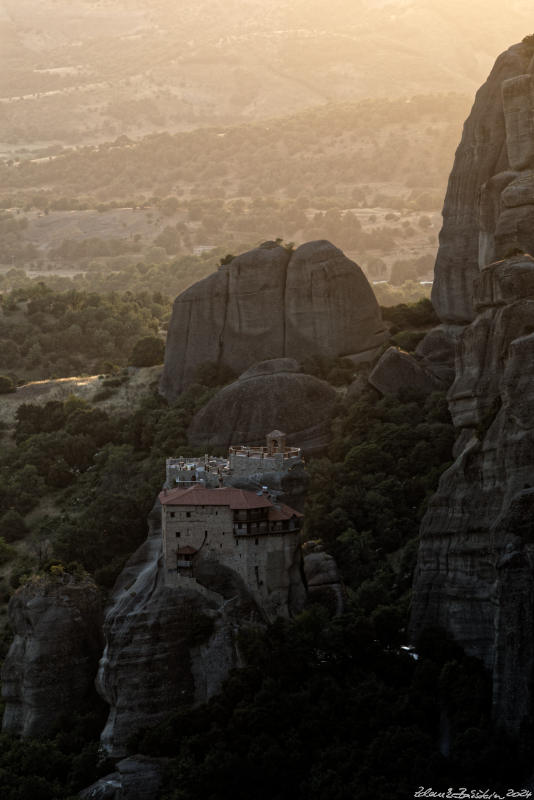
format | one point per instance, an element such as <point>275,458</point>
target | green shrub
<point>412,315</point>
<point>148,352</point>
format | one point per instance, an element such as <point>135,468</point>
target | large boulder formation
<point>397,370</point>
<point>51,665</point>
<point>270,303</point>
<point>271,394</point>
<point>429,369</point>
<point>167,647</point>
<point>489,207</point>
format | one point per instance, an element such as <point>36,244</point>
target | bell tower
<point>276,442</point>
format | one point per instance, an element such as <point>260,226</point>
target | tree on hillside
<point>147,352</point>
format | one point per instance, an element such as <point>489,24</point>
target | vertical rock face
<point>330,307</point>
<point>496,144</point>
<point>168,647</point>
<point>475,571</point>
<point>269,304</point>
<point>51,665</point>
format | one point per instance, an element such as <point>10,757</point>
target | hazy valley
<point>266,333</point>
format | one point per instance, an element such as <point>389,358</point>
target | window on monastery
<point>257,573</point>
<point>172,513</point>
<point>187,513</point>
<point>256,541</point>
<point>178,534</point>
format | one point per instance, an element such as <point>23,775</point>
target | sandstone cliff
<point>475,571</point>
<point>478,222</point>
<point>51,664</point>
<point>269,304</point>
<point>272,394</point>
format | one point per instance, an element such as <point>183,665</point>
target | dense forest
<point>326,707</point>
<point>50,334</point>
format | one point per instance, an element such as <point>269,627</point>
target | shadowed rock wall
<point>495,146</point>
<point>475,570</point>
<point>52,662</point>
<point>269,304</point>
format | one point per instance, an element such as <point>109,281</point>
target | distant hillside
<point>85,71</point>
<point>369,176</point>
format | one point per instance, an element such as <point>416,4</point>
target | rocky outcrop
<point>436,353</point>
<point>270,303</point>
<point>51,665</point>
<point>475,572</point>
<point>169,647</point>
<point>323,580</point>
<point>491,171</point>
<point>136,778</point>
<point>271,394</point>
<point>146,670</point>
<point>397,370</point>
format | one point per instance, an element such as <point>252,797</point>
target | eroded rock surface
<point>269,303</point>
<point>496,150</point>
<point>397,370</point>
<point>323,580</point>
<point>168,647</point>
<point>51,664</point>
<point>136,778</point>
<point>475,572</point>
<point>271,394</point>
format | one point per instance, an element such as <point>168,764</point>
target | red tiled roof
<point>236,499</point>
<point>283,512</point>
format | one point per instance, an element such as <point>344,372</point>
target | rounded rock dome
<point>268,395</point>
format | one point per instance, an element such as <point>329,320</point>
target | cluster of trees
<point>325,708</point>
<point>305,176</point>
<point>74,250</point>
<point>102,473</point>
<point>15,248</point>
<point>46,333</point>
<point>139,279</point>
<point>308,153</point>
<point>334,708</point>
<point>322,173</point>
